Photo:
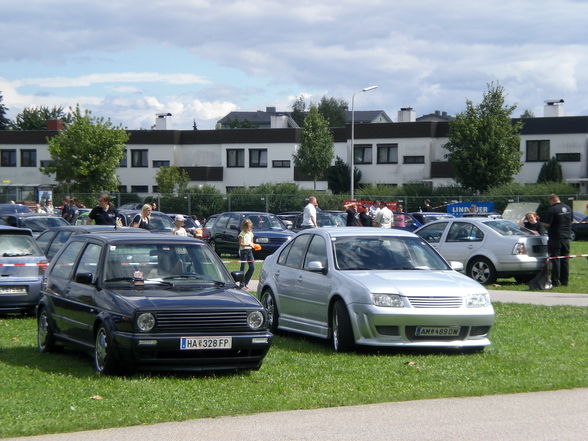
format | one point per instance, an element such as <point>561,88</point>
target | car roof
<point>126,237</point>
<point>247,212</point>
<point>5,229</point>
<point>359,231</point>
<point>97,228</point>
<point>431,213</point>
<point>29,214</point>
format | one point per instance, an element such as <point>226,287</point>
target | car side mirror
<point>237,276</point>
<point>84,278</point>
<point>456,266</point>
<point>316,266</point>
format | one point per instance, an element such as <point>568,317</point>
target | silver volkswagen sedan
<point>374,287</point>
<point>488,248</point>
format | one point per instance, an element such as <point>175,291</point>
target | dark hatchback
<point>158,302</point>
<point>36,222</point>
<point>268,230</point>
<point>52,239</point>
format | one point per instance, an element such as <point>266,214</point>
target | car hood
<point>185,297</point>
<point>416,282</point>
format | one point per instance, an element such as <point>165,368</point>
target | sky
<point>128,60</point>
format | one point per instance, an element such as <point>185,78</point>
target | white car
<point>374,287</point>
<point>488,248</point>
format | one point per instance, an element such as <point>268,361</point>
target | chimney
<point>553,108</point>
<point>278,121</point>
<point>54,124</point>
<point>161,121</point>
<point>406,114</point>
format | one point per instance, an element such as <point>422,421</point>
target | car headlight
<point>388,300</point>
<point>255,319</point>
<point>145,322</point>
<point>478,300</point>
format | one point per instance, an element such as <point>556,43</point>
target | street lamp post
<point>366,89</point>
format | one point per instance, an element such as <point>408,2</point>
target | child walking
<point>246,251</point>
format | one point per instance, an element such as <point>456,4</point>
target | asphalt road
<point>540,416</point>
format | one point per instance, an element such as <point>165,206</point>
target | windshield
<point>508,228</point>
<point>16,246</point>
<point>330,220</point>
<point>41,223</point>
<point>161,222</point>
<point>266,222</point>
<point>385,253</point>
<point>178,263</point>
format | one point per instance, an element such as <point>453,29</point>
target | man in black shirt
<point>66,211</point>
<point>104,213</point>
<point>558,221</point>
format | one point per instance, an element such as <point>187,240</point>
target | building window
<point>281,163</point>
<point>257,157</point>
<point>568,157</point>
<point>123,161</point>
<point>538,151</point>
<point>155,189</point>
<point>414,159</point>
<point>235,158</point>
<point>159,164</point>
<point>139,188</point>
<point>139,158</point>
<point>387,153</point>
<point>28,158</point>
<point>122,188</point>
<point>362,154</point>
<point>8,158</point>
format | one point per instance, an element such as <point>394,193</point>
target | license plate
<point>13,290</point>
<point>200,343</point>
<point>437,331</point>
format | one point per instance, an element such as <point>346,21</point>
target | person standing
<point>531,222</point>
<point>246,251</point>
<point>384,218</point>
<point>143,219</point>
<point>427,206</point>
<point>179,229</point>
<point>364,218</point>
<point>104,213</point>
<point>352,215</point>
<point>66,211</point>
<point>309,214</point>
<point>558,221</point>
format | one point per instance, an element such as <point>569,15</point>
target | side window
<point>317,251</point>
<point>63,266</point>
<point>464,232</point>
<point>234,220</point>
<point>44,238</point>
<point>284,254</point>
<point>297,250</point>
<point>433,233</point>
<point>89,260</point>
<point>222,221</point>
<point>58,242</point>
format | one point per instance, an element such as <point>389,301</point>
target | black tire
<point>105,361</point>
<point>269,303</point>
<point>341,330</point>
<point>212,244</point>
<point>482,270</point>
<point>45,333</point>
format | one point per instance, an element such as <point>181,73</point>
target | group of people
<point>363,215</point>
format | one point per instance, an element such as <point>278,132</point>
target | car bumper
<point>396,327</point>
<point>162,352</point>
<point>520,265</point>
<point>12,301</point>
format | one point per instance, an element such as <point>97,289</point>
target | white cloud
<point>122,77</point>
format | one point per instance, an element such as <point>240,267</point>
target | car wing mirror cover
<point>317,266</point>
<point>456,266</point>
<point>84,278</point>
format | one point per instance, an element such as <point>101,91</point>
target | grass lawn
<point>534,348</point>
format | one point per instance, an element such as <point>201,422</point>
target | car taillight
<point>519,248</point>
<point>42,267</point>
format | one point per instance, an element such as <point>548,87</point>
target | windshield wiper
<point>120,279</point>
<point>16,254</point>
<point>183,276</point>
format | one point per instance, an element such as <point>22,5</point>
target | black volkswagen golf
<point>150,301</point>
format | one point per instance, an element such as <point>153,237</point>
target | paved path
<point>556,415</point>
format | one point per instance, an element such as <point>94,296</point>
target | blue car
<point>405,221</point>
<point>22,265</point>
<point>269,231</point>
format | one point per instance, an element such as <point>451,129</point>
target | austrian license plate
<point>437,331</point>
<point>13,290</point>
<point>200,343</point>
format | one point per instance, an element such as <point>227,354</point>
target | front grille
<point>213,321</point>
<point>435,302</point>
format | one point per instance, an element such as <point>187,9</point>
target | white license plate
<point>200,343</point>
<point>13,290</point>
<point>437,331</point>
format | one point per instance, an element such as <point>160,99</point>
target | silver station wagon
<point>374,287</point>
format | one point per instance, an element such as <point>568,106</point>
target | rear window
<point>42,223</point>
<point>508,228</point>
<point>19,245</point>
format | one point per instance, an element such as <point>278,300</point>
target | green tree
<point>171,178</point>
<point>484,142</point>
<point>237,124</point>
<point>35,118</point>
<point>334,111</point>
<point>299,111</point>
<point>85,155</point>
<point>550,172</point>
<point>527,114</point>
<point>339,177</point>
<point>315,153</point>
<point>4,121</point>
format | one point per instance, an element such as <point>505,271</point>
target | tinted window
<point>234,220</point>
<point>63,266</point>
<point>222,221</point>
<point>284,254</point>
<point>41,223</point>
<point>317,251</point>
<point>89,260</point>
<point>432,233</point>
<point>58,242</point>
<point>44,239</point>
<point>297,249</point>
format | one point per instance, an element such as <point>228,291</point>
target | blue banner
<point>470,207</point>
